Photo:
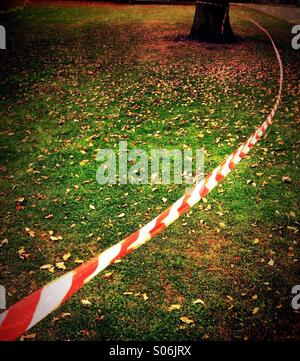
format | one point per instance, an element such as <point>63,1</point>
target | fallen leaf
<point>255,310</point>
<point>271,263</point>
<point>19,207</point>
<point>286,179</point>
<point>60,265</point>
<point>66,256</point>
<point>293,229</point>
<point>85,302</point>
<point>186,320</point>
<point>65,314</point>
<point>28,337</point>
<point>22,253</point>
<point>84,162</point>
<point>108,274</point>
<point>174,307</point>
<point>30,232</point>
<point>55,238</point>
<point>46,266</point>
<point>198,300</point>
<point>4,241</point>
<point>85,332</point>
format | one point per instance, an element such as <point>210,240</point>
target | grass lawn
<point>77,79</point>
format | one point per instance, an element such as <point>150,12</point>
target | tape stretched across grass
<point>30,310</point>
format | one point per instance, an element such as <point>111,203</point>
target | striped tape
<point>30,310</point>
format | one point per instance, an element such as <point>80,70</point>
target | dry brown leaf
<point>30,232</point>
<point>85,302</point>
<point>174,307</point>
<point>66,256</point>
<point>4,241</point>
<point>49,216</point>
<point>65,314</point>
<point>60,265</point>
<point>198,300</point>
<point>286,179</point>
<point>108,274</point>
<point>46,266</point>
<point>22,253</point>
<point>271,263</point>
<point>187,320</point>
<point>28,337</point>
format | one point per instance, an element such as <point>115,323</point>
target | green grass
<point>71,79</point>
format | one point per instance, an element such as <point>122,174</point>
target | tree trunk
<point>211,22</point>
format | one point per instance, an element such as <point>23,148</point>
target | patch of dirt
<point>210,247</point>
<point>171,296</point>
<point>157,44</point>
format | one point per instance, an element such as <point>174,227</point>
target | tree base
<point>211,24</point>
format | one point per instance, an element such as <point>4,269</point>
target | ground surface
<point>288,13</point>
<point>77,79</point>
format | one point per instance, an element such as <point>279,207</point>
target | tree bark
<point>212,23</point>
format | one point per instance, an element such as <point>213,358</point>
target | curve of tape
<point>27,312</point>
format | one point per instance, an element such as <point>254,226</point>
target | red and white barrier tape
<point>30,310</point>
